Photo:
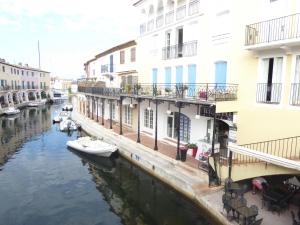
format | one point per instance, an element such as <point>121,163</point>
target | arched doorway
<point>184,126</point>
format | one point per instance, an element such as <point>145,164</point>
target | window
<point>28,84</point>
<point>148,118</point>
<point>32,73</point>
<point>179,41</point>
<point>23,84</point>
<point>11,70</point>
<point>127,115</point>
<point>270,86</point>
<point>184,126</point>
<point>295,86</point>
<point>122,57</point>
<point>27,73</point>
<point>22,72</point>
<point>32,85</point>
<point>3,68</point>
<point>132,55</point>
<point>41,85</point>
<point>15,72</point>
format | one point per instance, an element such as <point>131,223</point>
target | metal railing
<point>287,27</point>
<point>169,17</point>
<point>104,91</point>
<point>159,21</point>
<point>194,7</point>
<point>268,93</point>
<point>180,12</point>
<point>180,50</point>
<point>288,148</point>
<point>183,91</point>
<point>295,94</point>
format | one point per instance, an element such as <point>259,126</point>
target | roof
<point>113,49</point>
<point>116,48</point>
<point>23,67</point>
<point>138,2</point>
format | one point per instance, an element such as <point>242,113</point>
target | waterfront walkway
<point>185,177</point>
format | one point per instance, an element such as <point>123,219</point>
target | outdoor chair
<point>243,201</point>
<point>255,208</point>
<point>225,199</point>
<point>227,182</point>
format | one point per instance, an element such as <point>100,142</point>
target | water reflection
<point>17,129</point>
<point>45,183</point>
<point>138,198</point>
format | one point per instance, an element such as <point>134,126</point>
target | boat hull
<point>103,152</point>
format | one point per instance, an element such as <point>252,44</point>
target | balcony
<point>194,7</point>
<point>159,21</point>
<point>268,93</point>
<point>283,30</point>
<point>187,49</point>
<point>107,68</point>
<point>295,94</point>
<point>189,92</point>
<point>169,17</point>
<point>180,12</point>
<point>104,91</point>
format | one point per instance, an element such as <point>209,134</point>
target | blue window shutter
<point>220,72</point>
<point>154,76</point>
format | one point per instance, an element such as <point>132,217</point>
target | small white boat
<point>36,103</point>
<point>11,111</point>
<point>67,107</point>
<point>67,125</point>
<point>92,146</point>
<point>62,116</point>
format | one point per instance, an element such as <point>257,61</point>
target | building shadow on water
<point>136,197</point>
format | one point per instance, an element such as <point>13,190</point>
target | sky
<point>69,32</point>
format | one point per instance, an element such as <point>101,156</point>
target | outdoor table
<point>247,214</point>
<point>272,196</point>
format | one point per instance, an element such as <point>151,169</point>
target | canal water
<point>42,182</point>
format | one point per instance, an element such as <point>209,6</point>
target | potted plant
<point>128,88</point>
<point>168,90</point>
<point>194,148</point>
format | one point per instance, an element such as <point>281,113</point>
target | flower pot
<point>183,151</point>
<point>195,151</point>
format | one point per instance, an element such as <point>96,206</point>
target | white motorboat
<point>92,146</point>
<point>67,107</point>
<point>11,111</point>
<point>36,103</point>
<point>61,116</point>
<point>67,125</point>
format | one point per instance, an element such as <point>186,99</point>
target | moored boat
<point>92,146</point>
<point>62,116</point>
<point>67,107</point>
<point>67,125</point>
<point>11,111</point>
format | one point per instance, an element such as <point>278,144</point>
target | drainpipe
<point>121,106</point>
<point>139,121</point>
<point>155,143</point>
<point>213,143</point>
<point>178,155</point>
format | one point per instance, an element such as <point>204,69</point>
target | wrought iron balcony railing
<point>104,91</point>
<point>183,91</point>
<point>181,50</point>
<point>288,148</point>
<point>194,7</point>
<point>268,93</point>
<point>295,94</point>
<point>278,29</point>
<point>169,17</point>
<point>180,12</point>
